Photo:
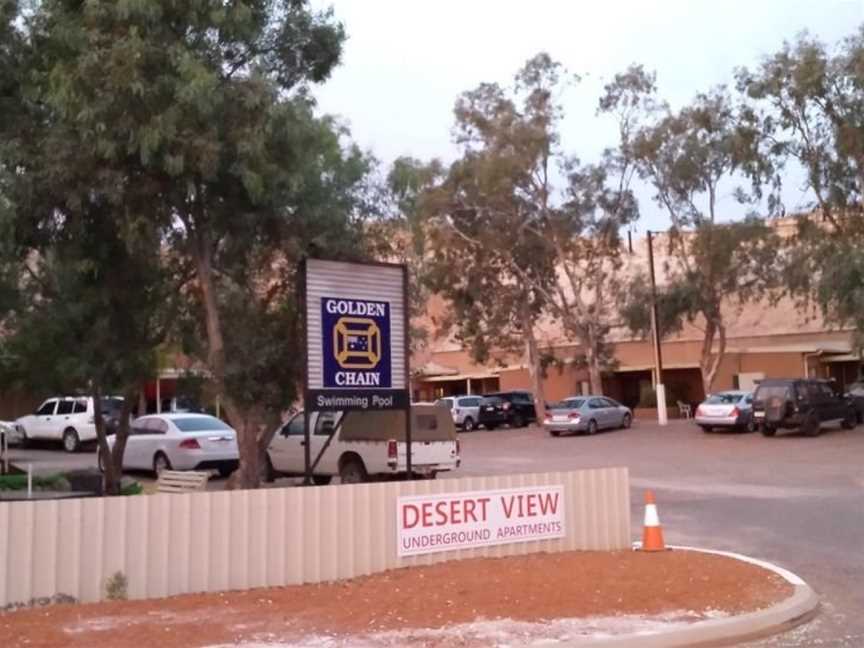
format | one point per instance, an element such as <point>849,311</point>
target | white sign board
<point>432,523</point>
<point>355,336</point>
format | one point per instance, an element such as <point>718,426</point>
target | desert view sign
<point>356,337</point>
<point>432,523</point>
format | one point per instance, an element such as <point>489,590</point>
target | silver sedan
<point>587,414</point>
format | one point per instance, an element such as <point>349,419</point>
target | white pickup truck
<point>365,446</point>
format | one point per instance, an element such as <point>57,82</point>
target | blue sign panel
<point>355,343</point>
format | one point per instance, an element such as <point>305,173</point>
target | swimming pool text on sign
<point>446,522</point>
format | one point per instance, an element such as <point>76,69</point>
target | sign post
<point>357,340</point>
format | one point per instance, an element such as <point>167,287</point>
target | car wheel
<point>265,469</point>
<point>554,433</point>
<point>751,426</point>
<point>468,425</point>
<point>811,426</point>
<point>71,442</point>
<point>353,471</point>
<point>626,422</point>
<point>321,480</point>
<point>518,422</point>
<point>767,430</point>
<point>161,463</point>
<point>592,427</point>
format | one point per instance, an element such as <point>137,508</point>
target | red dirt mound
<point>524,588</point>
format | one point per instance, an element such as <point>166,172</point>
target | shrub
<point>116,587</point>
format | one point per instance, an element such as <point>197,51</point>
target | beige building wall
<point>217,541</point>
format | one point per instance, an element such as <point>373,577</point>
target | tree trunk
<point>709,363</point>
<point>111,477</point>
<point>112,459</point>
<point>532,358</point>
<point>595,376</point>
<point>244,423</point>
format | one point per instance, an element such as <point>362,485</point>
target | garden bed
<point>476,602</point>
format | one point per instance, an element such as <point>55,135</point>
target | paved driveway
<point>796,501</point>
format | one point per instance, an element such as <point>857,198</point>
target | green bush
<point>116,587</point>
<point>19,482</point>
<point>132,489</point>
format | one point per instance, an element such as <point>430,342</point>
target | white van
<point>366,445</point>
<point>68,419</point>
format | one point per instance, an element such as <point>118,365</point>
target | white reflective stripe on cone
<point>651,517</point>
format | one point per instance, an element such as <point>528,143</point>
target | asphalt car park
<point>794,500</point>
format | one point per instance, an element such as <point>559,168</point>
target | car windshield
<point>570,403</point>
<point>199,424</point>
<point>723,399</point>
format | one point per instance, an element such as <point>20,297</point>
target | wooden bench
<point>181,481</point>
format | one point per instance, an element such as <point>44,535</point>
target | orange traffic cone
<point>652,532</point>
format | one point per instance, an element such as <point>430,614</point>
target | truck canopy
<point>429,423</point>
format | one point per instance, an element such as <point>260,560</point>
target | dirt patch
<point>677,585</point>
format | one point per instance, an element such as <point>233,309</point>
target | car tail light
<point>574,416</point>
<point>735,412</point>
<point>392,450</point>
<point>548,416</point>
<point>699,411</point>
<point>505,406</point>
<point>190,444</point>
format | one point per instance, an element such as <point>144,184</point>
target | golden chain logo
<point>357,343</point>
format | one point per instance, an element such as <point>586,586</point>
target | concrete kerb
<point>797,609</point>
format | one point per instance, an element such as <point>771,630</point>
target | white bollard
<point>662,417</point>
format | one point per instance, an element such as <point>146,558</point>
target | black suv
<point>800,404</point>
<point>514,408</point>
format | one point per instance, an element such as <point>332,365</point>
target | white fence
<point>207,542</point>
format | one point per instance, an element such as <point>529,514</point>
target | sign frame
<point>359,398</point>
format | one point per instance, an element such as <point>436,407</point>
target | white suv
<point>68,419</point>
<point>465,410</point>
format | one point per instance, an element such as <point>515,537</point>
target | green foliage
<point>688,156</point>
<point>42,483</point>
<point>134,488</point>
<point>183,135</point>
<point>117,587</point>
<point>810,102</point>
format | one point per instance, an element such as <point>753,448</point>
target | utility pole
<point>662,418</point>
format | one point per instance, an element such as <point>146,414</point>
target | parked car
<point>69,419</point>
<point>464,409</point>
<point>800,404</point>
<point>727,409</point>
<point>855,394</point>
<point>587,414</point>
<point>513,408</point>
<point>359,446</point>
<point>179,442</point>
<point>10,432</point>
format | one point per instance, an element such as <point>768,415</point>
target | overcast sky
<point>406,61</point>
